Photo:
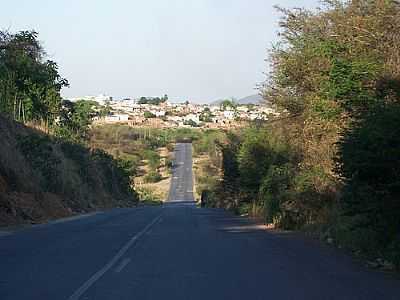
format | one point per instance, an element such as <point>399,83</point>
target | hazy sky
<point>198,50</point>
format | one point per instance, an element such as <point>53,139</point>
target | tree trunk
<point>23,112</point>
<point>15,106</point>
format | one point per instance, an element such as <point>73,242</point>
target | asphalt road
<point>177,251</point>
<point>182,176</point>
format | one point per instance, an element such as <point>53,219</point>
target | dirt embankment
<point>42,178</point>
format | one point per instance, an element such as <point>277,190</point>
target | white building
<point>117,118</point>
<point>192,117</point>
<point>242,108</point>
<point>102,99</point>
<point>258,116</point>
<point>159,113</point>
<point>214,108</point>
<point>229,114</point>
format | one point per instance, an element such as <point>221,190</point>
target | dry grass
<point>28,194</point>
<point>206,174</point>
<point>159,189</point>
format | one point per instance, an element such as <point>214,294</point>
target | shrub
<point>274,190</point>
<point>38,151</point>
<point>152,177</point>
<point>149,115</point>
<point>153,158</point>
<point>147,196</point>
<point>369,163</point>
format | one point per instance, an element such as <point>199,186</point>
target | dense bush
<point>369,163</point>
<point>331,160</point>
<point>274,191</point>
<point>77,172</point>
<point>336,70</point>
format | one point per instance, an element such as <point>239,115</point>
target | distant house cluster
<point>165,114</point>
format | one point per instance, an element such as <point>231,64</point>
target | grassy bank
<point>44,177</point>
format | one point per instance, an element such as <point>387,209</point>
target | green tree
<point>190,123</point>
<point>254,158</point>
<point>206,115</point>
<point>29,85</point>
<point>153,100</point>
<point>368,163</point>
<point>149,115</point>
<point>75,119</point>
<point>227,103</point>
<point>335,77</point>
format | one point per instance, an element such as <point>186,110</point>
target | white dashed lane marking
<point>122,265</point>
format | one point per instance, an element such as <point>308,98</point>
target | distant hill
<point>216,102</point>
<point>253,99</point>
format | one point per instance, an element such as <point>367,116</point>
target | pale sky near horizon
<point>198,50</point>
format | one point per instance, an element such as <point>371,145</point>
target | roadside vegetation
<point>44,177</point>
<point>47,169</point>
<point>330,163</point>
<point>207,162</point>
<point>148,152</point>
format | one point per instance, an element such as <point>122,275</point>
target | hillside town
<point>159,112</point>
